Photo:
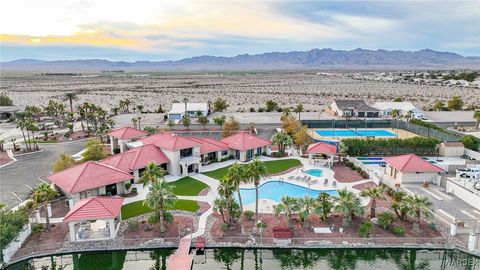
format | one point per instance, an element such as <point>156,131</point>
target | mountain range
<point>324,59</point>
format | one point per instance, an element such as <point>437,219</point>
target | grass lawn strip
<point>273,166</point>
<point>137,208</point>
<point>188,186</point>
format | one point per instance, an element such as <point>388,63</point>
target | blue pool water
<point>274,190</point>
<point>369,158</point>
<point>354,133</point>
<point>373,162</point>
<point>314,172</point>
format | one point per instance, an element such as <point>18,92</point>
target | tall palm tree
<point>43,193</point>
<point>283,140</point>
<point>349,205</point>
<point>152,173</point>
<point>286,113</point>
<point>419,206</point>
<point>160,197</point>
<point>219,206</point>
<point>395,113</point>
<point>134,122</point>
<point>374,193</point>
<point>287,206</point>
<point>127,103</point>
<point>185,101</point>
<point>324,205</point>
<point>476,115</point>
<point>255,171</point>
<point>226,189</point>
<point>299,110</point>
<point>70,97</point>
<point>21,124</point>
<point>236,175</point>
<point>307,205</point>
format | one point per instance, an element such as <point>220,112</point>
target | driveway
<point>29,169</point>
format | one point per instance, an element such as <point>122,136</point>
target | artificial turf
<point>188,186</point>
<point>137,208</point>
<point>273,167</point>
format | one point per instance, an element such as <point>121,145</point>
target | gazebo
<point>94,218</point>
<point>316,150</point>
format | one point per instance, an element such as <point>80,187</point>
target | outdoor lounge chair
<point>325,182</point>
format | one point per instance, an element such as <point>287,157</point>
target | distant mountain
<point>358,59</point>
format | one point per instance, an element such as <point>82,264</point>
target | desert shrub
<point>261,109</point>
<point>168,217</point>
<point>252,109</point>
<point>248,214</point>
<point>277,154</point>
<point>365,229</point>
<point>132,224</point>
<point>30,205</point>
<point>11,223</point>
<point>37,228</point>
<point>224,227</point>
<point>134,190</point>
<point>398,231</point>
<point>154,218</point>
<point>385,219</point>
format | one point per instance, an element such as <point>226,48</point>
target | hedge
<point>391,146</point>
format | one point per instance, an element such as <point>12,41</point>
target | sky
<point>156,30</point>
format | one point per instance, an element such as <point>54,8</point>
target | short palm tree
<point>283,140</point>
<point>374,193</point>
<point>236,175</point>
<point>287,206</point>
<point>71,97</point>
<point>255,171</point>
<point>307,206</point>
<point>419,206</point>
<point>395,113</point>
<point>349,205</point>
<point>152,174</point>
<point>160,197</point>
<point>43,193</point>
<point>399,205</point>
<point>324,205</point>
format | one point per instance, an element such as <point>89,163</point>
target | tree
<point>395,113</point>
<point>126,104</point>
<point>5,100</point>
<point>471,142</point>
<point>455,103</point>
<point>219,206</point>
<point>70,97</point>
<point>185,102</point>
<point>186,121</point>
<point>399,206</point>
<point>63,162</point>
<point>324,205</point>
<point>290,125</point>
<point>170,123</point>
<point>283,140</point>
<point>43,193</point>
<point>140,108</point>
<point>374,194</point>
<point>476,115</point>
<point>300,138</point>
<point>398,99</point>
<point>255,171</point>
<point>225,190</point>
<point>299,110</point>
<point>219,105</point>
<point>160,109</point>
<point>439,106</point>
<point>287,206</point>
<point>134,122</point>
<point>286,113</point>
<point>94,150</point>
<point>220,120</point>
<point>160,198</point>
<point>419,206</point>
<point>271,105</point>
<point>230,127</point>
<point>307,205</point>
<point>385,219</point>
<point>203,120</point>
<point>152,173</point>
<point>236,175</point>
<point>349,205</point>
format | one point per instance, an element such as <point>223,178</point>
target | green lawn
<point>273,166</point>
<point>188,186</point>
<point>137,208</point>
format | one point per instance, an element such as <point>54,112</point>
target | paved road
<point>29,168</point>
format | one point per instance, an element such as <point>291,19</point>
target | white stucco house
<point>178,110</point>
<point>386,108</point>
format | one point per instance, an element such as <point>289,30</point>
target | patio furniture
<point>325,182</point>
<point>334,183</point>
<point>322,230</point>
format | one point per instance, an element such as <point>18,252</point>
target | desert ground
<point>241,90</point>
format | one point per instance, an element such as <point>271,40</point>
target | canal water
<point>275,259</point>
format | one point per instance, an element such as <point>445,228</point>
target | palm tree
<point>399,205</point>
<point>395,113</point>
<point>476,115</point>
<point>219,206</point>
<point>2,145</point>
<point>288,205</point>
<point>307,206</point>
<point>255,171</point>
<point>349,205</point>
<point>127,103</point>
<point>21,124</point>
<point>285,113</point>
<point>70,97</point>
<point>226,189</point>
<point>409,115</point>
<point>152,174</point>
<point>299,110</point>
<point>140,108</point>
<point>160,197</point>
<point>134,122</point>
<point>43,193</point>
<point>324,205</point>
<point>419,206</point>
<point>374,193</point>
<point>185,101</point>
<point>283,140</point>
<point>236,175</point>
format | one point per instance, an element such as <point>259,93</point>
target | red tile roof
<point>126,133</point>
<point>321,148</point>
<point>88,175</point>
<point>169,141</point>
<point>208,145</point>
<point>136,158</point>
<point>411,163</point>
<point>244,141</point>
<point>95,208</point>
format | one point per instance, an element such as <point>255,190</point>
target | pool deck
<point>402,134</point>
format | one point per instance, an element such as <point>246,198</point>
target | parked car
<point>468,172</point>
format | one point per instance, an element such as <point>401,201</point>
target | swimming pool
<point>354,133</point>
<point>274,190</point>
<point>369,158</point>
<point>314,172</point>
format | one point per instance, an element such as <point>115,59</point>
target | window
<point>186,152</point>
<point>418,172</point>
<point>224,152</point>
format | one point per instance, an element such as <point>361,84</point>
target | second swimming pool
<point>354,133</point>
<point>275,190</point>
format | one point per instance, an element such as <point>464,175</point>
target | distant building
<point>386,108</point>
<point>353,108</point>
<point>193,109</point>
<point>9,112</point>
<point>451,149</point>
